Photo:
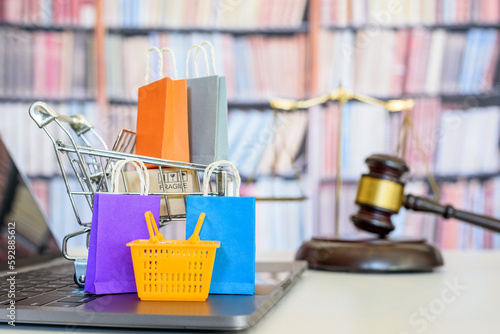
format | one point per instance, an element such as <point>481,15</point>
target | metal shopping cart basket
<point>91,167</point>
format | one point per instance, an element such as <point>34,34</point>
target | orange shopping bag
<point>162,118</point>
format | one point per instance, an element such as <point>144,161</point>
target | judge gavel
<point>381,194</point>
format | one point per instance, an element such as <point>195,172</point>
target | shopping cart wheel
<point>80,281</point>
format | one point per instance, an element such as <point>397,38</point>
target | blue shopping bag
<point>230,220</point>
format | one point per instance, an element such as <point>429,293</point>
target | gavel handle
<point>417,203</point>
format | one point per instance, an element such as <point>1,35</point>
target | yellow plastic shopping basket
<point>176,270</point>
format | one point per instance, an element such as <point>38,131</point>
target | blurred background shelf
<point>88,56</point>
<point>46,28</point>
<point>304,28</point>
<point>416,26</point>
<point>231,104</point>
<point>439,178</point>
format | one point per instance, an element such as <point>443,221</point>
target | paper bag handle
<point>174,60</point>
<point>154,236</point>
<point>140,169</point>
<point>212,54</point>
<point>210,169</point>
<point>160,63</point>
<point>196,73</point>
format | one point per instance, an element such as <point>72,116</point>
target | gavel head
<point>380,194</point>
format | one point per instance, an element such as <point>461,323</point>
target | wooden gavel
<point>381,194</point>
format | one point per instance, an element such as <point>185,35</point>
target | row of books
<point>262,143</point>
<point>29,145</point>
<point>475,196</point>
<point>74,13</point>
<point>476,132</point>
<point>115,119</point>
<point>271,143</point>
<point>481,198</point>
<point>253,65</point>
<point>46,64</point>
<point>365,129</point>
<point>206,14</point>
<point>388,63</point>
<point>325,224</point>
<point>187,14</point>
<point>55,203</point>
<point>432,139</point>
<point>279,225</point>
<point>269,236</point>
<point>343,13</point>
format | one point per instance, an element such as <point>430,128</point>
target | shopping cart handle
<point>42,114</point>
<point>78,123</point>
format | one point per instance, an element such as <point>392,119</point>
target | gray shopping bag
<point>207,115</point>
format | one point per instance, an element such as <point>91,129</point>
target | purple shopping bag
<point>116,220</point>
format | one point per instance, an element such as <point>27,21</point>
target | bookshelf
<point>460,27</point>
<point>439,178</point>
<point>472,188</point>
<point>30,27</point>
<point>314,65</point>
<point>237,32</point>
<point>235,104</point>
<point>112,113</point>
<point>250,83</point>
<point>45,99</point>
<point>491,98</point>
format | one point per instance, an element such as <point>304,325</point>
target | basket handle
<point>195,237</point>
<point>155,236</point>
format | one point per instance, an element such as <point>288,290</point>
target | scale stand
<point>375,254</point>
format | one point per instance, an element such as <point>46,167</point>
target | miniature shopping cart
<point>91,167</point>
<point>174,270</point>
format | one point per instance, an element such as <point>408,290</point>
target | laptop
<point>37,284</point>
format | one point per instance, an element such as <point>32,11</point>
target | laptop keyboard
<point>52,287</point>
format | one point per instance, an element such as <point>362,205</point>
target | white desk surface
<point>326,302</point>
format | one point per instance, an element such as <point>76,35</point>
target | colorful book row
<point>44,64</point>
<point>67,13</point>
<point>256,67</point>
<point>205,14</point>
<point>432,140</point>
<point>388,63</point>
<point>341,13</point>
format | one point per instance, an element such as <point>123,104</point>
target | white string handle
<point>140,168</point>
<point>160,63</point>
<point>116,175</point>
<point>144,182</point>
<point>214,165</point>
<point>174,60</point>
<point>197,75</point>
<point>212,54</point>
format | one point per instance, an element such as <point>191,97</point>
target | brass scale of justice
<point>380,195</point>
